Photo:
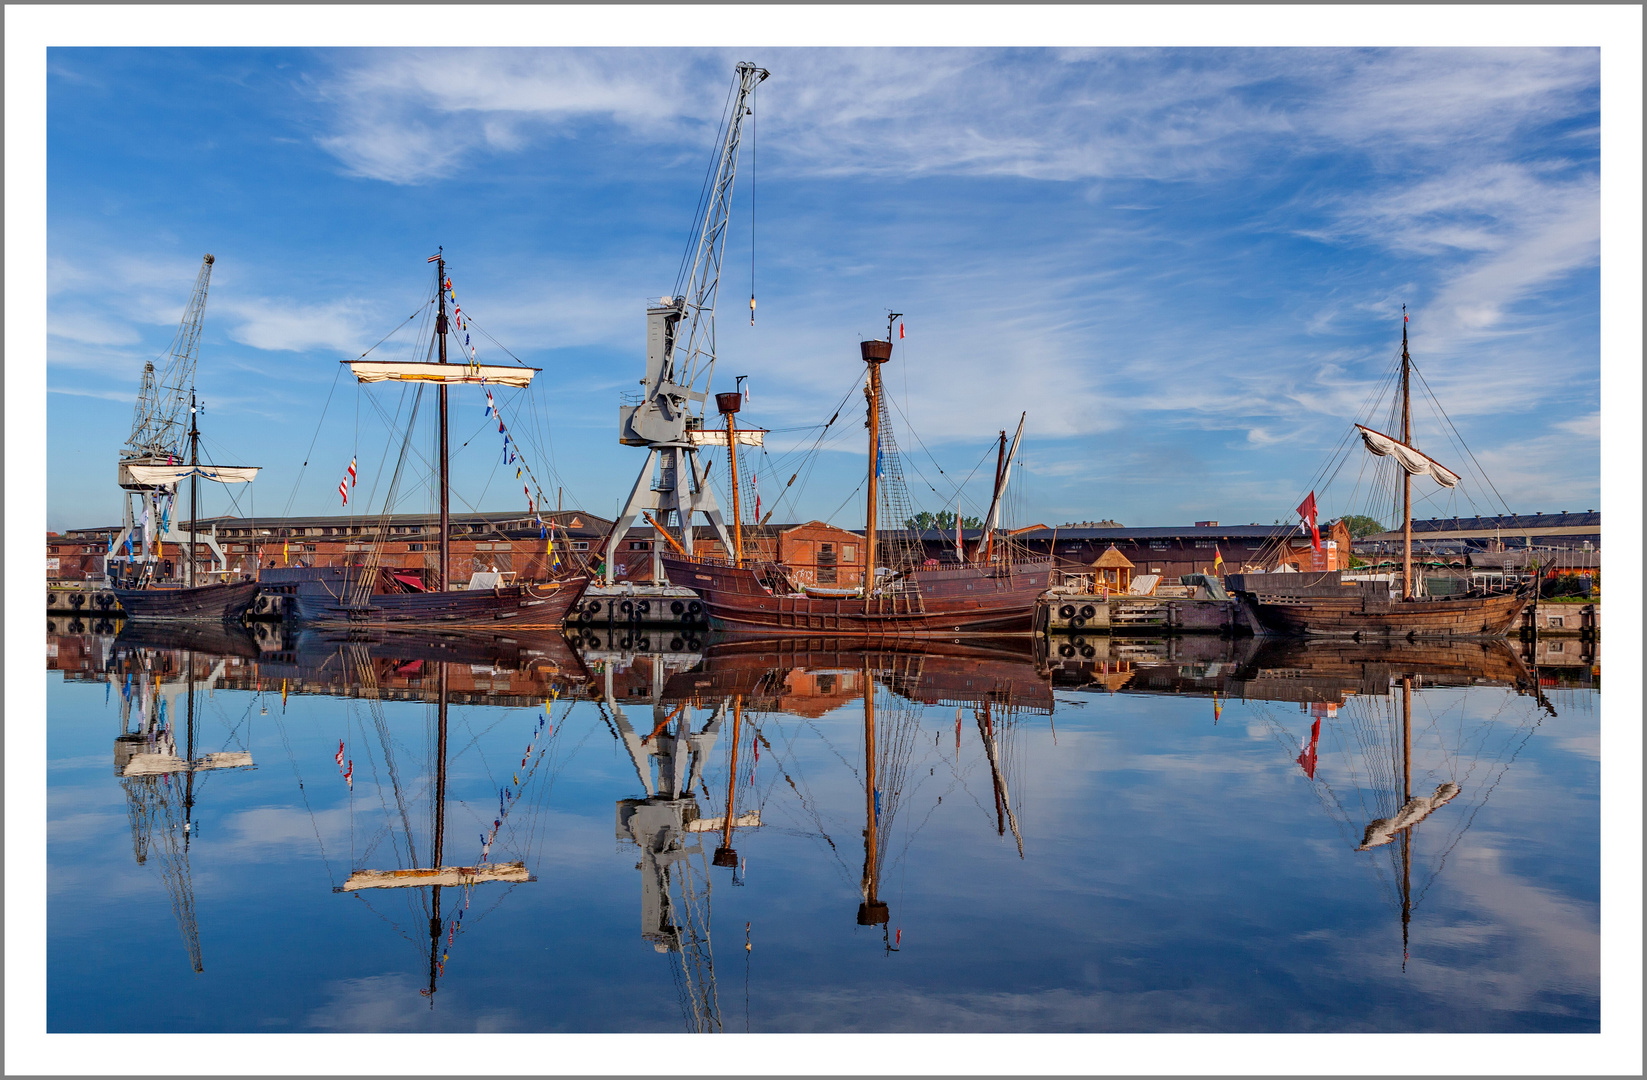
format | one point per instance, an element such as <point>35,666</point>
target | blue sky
<point>1187,265</point>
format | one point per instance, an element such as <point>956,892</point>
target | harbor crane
<point>667,418</point>
<point>160,427</point>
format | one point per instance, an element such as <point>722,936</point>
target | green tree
<point>1360,525</point>
<point>943,519</point>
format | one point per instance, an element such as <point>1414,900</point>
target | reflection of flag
<point>1307,758</point>
<point>1217,707</point>
<point>349,776</point>
<point>340,753</point>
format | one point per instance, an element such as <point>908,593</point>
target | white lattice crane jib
<point>680,358</point>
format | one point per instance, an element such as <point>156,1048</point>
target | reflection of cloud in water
<point>391,1003</point>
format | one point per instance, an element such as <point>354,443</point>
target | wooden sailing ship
<point>989,593</point>
<point>1322,604</point>
<point>363,595</point>
<point>218,601</point>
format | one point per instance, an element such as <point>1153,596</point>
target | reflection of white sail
<point>1382,830</point>
<point>1410,458</point>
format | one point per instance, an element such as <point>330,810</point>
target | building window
<point>414,547</point>
<point>849,552</point>
<point>308,547</point>
<point>1206,543</point>
<point>1558,622</point>
<point>1158,545</point>
<point>640,545</point>
<point>580,545</point>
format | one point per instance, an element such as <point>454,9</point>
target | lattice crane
<point>667,418</point>
<point>159,427</point>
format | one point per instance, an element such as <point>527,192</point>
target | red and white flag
<point>343,490</point>
<point>339,753</point>
<point>1306,510</point>
<point>349,776</point>
<point>351,472</point>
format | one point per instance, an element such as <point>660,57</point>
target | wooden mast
<point>729,405</point>
<point>445,464</point>
<point>875,353</point>
<point>1406,477</point>
<point>194,481</point>
<point>1000,467</point>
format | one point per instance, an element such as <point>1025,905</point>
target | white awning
<point>171,474</point>
<point>369,371</point>
<point>717,436</point>
<point>1414,461</point>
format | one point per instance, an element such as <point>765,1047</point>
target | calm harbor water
<point>1188,835</point>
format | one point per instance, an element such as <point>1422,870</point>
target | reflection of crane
<point>666,826</point>
<point>146,760</point>
<point>680,360</point>
<point>159,428</point>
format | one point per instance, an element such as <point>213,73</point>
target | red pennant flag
<point>900,331</point>
<point>1306,510</point>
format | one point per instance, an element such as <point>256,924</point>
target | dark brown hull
<point>1356,613</point>
<point>525,605</point>
<point>963,600</point>
<point>222,602</point>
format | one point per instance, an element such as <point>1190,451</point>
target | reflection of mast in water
<point>146,761</point>
<point>872,911</point>
<point>437,875</point>
<point>1003,799</point>
<point>1382,830</point>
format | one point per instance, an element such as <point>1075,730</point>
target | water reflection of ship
<point>1284,669</point>
<point>159,782</point>
<point>1370,722</point>
<point>806,678</point>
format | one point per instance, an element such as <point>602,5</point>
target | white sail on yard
<point>1409,458</point>
<point>171,474</point>
<point>370,371</point>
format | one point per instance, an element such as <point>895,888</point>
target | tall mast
<point>875,353</point>
<point>1000,465</point>
<point>445,465</point>
<point>194,481</point>
<point>188,749</point>
<point>1406,477</point>
<point>729,405</point>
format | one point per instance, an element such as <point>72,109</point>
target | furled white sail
<point>717,436</point>
<point>370,371</point>
<point>1414,461</point>
<point>171,474</point>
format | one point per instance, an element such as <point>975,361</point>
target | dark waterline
<point>1180,868</point>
